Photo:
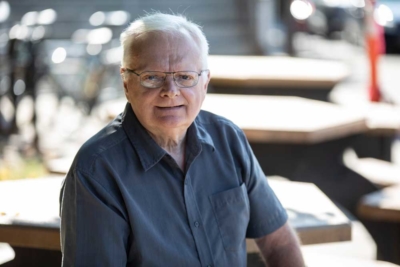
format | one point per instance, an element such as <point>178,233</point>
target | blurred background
<point>59,60</point>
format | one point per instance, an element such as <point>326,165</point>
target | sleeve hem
<point>267,227</point>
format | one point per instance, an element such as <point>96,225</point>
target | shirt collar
<point>202,134</point>
<point>149,152</point>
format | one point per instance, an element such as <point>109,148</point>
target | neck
<point>174,145</point>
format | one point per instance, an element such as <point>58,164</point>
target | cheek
<point>141,97</point>
<point>195,99</point>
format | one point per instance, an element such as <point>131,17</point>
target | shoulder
<point>212,121</point>
<point>111,137</point>
<point>225,135</point>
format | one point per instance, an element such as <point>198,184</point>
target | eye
<point>185,76</point>
<point>152,77</point>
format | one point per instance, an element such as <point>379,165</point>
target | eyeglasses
<point>156,79</point>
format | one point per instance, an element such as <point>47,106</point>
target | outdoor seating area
<point>299,134</point>
<point>331,156</point>
<point>316,219</point>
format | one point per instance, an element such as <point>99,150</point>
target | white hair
<point>164,23</point>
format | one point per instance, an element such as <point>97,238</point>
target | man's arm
<point>281,248</point>
<point>94,231</point>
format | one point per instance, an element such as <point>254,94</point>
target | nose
<point>169,88</point>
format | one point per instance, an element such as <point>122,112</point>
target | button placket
<point>198,232</point>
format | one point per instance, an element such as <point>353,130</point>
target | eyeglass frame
<point>167,73</point>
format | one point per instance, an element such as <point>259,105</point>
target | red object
<point>375,42</point>
<point>373,56</point>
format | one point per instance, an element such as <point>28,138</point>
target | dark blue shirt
<point>125,201</point>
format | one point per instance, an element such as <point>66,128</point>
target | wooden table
<point>383,205</point>
<point>30,213</point>
<point>383,119</point>
<point>381,213</point>
<point>381,173</point>
<point>314,216</point>
<point>265,75</point>
<point>285,119</point>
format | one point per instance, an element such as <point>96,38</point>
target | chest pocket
<point>232,211</point>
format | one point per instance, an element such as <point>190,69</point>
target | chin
<point>172,122</point>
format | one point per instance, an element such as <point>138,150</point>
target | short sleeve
<point>93,230</point>
<point>266,212</point>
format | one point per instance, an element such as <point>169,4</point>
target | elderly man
<point>166,184</point>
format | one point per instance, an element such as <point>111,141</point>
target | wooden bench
<point>381,173</point>
<point>381,212</point>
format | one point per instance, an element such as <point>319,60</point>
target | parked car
<point>336,19</point>
<point>387,14</point>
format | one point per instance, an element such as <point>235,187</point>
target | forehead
<point>158,50</point>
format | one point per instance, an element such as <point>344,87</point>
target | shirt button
<point>196,224</point>
<point>209,266</point>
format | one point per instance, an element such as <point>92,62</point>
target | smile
<point>170,108</point>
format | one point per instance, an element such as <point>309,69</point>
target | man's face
<point>168,108</point>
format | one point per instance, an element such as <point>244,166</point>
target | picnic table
<point>381,213</point>
<point>286,119</point>
<point>266,75</point>
<point>383,119</point>
<point>383,205</point>
<point>384,125</point>
<point>30,213</point>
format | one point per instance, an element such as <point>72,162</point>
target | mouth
<point>171,107</point>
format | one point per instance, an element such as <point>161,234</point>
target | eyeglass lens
<point>155,79</point>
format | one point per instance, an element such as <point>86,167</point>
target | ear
<point>207,82</point>
<point>124,82</point>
